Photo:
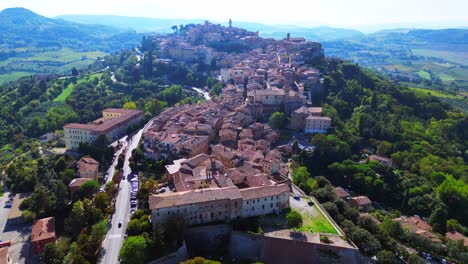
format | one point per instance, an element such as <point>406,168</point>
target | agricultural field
<point>459,57</point>
<point>67,91</point>
<point>58,61</point>
<point>438,94</point>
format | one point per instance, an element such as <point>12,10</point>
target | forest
<point>425,138</point>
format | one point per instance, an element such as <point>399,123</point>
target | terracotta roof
<point>4,255</point>
<point>87,164</point>
<point>258,180</point>
<point>43,229</point>
<point>192,197</point>
<point>361,200</point>
<point>416,221</point>
<point>194,161</point>
<point>340,192</point>
<point>264,191</point>
<point>455,236</point>
<point>77,182</point>
<point>109,125</point>
<point>315,110</point>
<point>117,110</point>
<point>301,110</point>
<point>270,92</point>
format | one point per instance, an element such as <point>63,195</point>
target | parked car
<point>120,224</point>
<point>162,190</point>
<point>297,197</point>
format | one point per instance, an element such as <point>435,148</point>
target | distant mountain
<point>164,26</point>
<point>19,27</point>
<point>423,36</point>
<point>140,24</point>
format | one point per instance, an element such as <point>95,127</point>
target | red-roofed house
<point>43,232</point>
<point>75,185</point>
<point>362,202</point>
<point>456,236</point>
<point>418,226</point>
<point>340,192</point>
<point>88,168</point>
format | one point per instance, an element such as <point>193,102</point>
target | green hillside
<point>33,44</point>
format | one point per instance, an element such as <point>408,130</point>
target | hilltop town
<point>209,142</point>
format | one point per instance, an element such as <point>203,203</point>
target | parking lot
<point>16,232</point>
<point>133,178</point>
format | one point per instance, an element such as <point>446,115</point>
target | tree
<point>41,202</point>
<point>322,181</point>
<point>277,120</point>
<point>133,250</point>
<point>78,217</point>
<point>102,201</point>
<point>74,72</point>
<point>300,176</point>
<point>54,253</point>
<point>331,208</point>
<point>130,105</point>
<point>29,216</point>
<point>294,219</point>
<point>89,188</point>
<point>386,257</point>
<point>200,260</point>
<point>415,259</point>
<point>392,228</point>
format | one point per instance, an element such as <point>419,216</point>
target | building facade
<point>208,205</point>
<point>113,125</point>
<point>317,124</point>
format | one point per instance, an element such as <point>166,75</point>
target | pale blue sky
<point>348,13</point>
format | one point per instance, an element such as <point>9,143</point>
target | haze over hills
<point>32,43</point>
<point>429,58</point>
<point>435,59</point>
<point>144,25</point>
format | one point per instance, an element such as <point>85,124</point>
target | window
<point>263,206</point>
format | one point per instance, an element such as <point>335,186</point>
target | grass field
<point>460,57</point>
<point>58,61</point>
<point>12,76</point>
<point>67,91</point>
<point>317,223</point>
<point>64,55</point>
<point>437,93</point>
<point>424,74</point>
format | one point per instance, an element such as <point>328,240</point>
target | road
<point>111,170</point>
<point>115,236</point>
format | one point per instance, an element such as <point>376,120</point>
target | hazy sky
<point>325,12</point>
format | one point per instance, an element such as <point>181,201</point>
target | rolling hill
<point>164,26</point>
<point>435,59</point>
<point>32,44</point>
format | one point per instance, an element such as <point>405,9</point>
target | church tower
<point>230,23</point>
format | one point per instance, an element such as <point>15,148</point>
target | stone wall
<point>244,246</point>
<point>175,257</point>
<point>212,240</point>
